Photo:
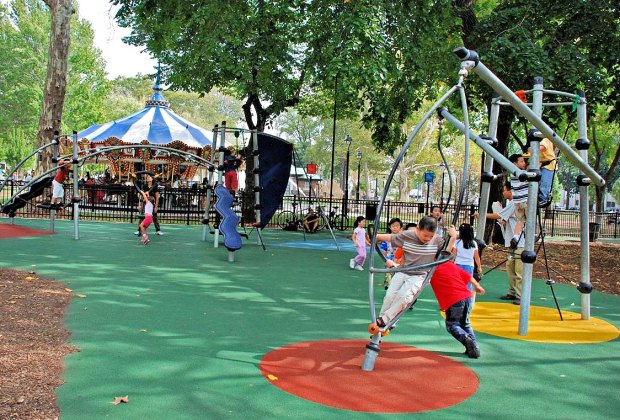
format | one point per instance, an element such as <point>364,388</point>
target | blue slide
<point>228,225</point>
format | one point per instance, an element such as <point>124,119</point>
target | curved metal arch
<point>388,182</point>
<point>425,118</point>
<point>99,151</point>
<point>23,161</point>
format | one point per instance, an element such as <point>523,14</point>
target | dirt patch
<point>33,337</point>
<point>563,263</point>
<point>32,344</point>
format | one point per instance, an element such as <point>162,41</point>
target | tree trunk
<point>465,11</point>
<point>403,184</point>
<point>56,79</point>
<point>599,194</point>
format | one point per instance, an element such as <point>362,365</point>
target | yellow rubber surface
<point>502,319</point>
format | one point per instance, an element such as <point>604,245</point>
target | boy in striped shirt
<point>420,246</point>
<point>519,198</point>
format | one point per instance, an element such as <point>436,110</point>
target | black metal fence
<point>119,203</point>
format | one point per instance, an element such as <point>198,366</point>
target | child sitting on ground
<point>420,247</point>
<point>450,286</point>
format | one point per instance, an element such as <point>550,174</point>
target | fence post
<point>188,205</point>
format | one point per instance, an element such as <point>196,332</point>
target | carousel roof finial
<point>157,85</point>
<point>157,98</point>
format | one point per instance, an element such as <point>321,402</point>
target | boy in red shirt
<point>58,190</point>
<point>449,284</point>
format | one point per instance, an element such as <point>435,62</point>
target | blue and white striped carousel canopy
<point>156,123</point>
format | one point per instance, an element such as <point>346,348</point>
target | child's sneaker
<point>387,281</point>
<point>358,267</point>
<point>471,348</point>
<point>145,239</point>
<point>514,242</point>
<point>352,263</point>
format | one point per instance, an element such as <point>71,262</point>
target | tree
<point>56,79</point>
<point>25,36</point>
<point>375,59</point>
<point>604,157</point>
<point>23,57</point>
<point>278,54</point>
<point>572,44</point>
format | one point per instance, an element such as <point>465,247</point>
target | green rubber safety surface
<point>182,331</point>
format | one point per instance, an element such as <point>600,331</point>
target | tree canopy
<point>379,59</point>
<point>24,41</point>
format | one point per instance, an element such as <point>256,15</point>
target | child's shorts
<point>58,190</point>
<point>231,180</point>
<point>520,211</point>
<point>148,219</point>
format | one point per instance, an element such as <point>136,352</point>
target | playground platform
<point>280,333</point>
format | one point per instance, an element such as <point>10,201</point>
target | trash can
<point>595,229</point>
<point>371,212</point>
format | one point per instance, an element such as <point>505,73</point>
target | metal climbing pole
<point>487,174</point>
<point>205,217</point>
<point>528,256</point>
<point>585,287</point>
<point>75,200</point>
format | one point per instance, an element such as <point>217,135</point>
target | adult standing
<point>152,188</point>
<point>514,264</point>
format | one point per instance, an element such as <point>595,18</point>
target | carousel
<point>155,125</point>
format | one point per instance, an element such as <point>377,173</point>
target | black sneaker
<point>544,204</point>
<point>508,297</point>
<point>513,243</point>
<point>472,350</point>
<point>516,301</point>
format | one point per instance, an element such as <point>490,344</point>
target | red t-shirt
<point>61,174</point>
<point>449,284</point>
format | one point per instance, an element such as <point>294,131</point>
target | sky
<point>121,59</point>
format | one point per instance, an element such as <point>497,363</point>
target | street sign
<point>311,168</point>
<point>429,177</point>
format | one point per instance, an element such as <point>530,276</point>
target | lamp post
<point>348,141</point>
<point>359,162</point>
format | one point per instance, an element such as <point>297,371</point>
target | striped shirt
<point>416,252</point>
<point>519,190</point>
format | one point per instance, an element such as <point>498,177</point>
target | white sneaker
<point>159,232</point>
<point>358,267</point>
<point>137,233</point>
<point>352,263</point>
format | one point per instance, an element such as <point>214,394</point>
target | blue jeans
<point>544,187</point>
<point>457,321</point>
<point>470,270</point>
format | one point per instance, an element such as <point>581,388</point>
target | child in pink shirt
<point>360,240</point>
